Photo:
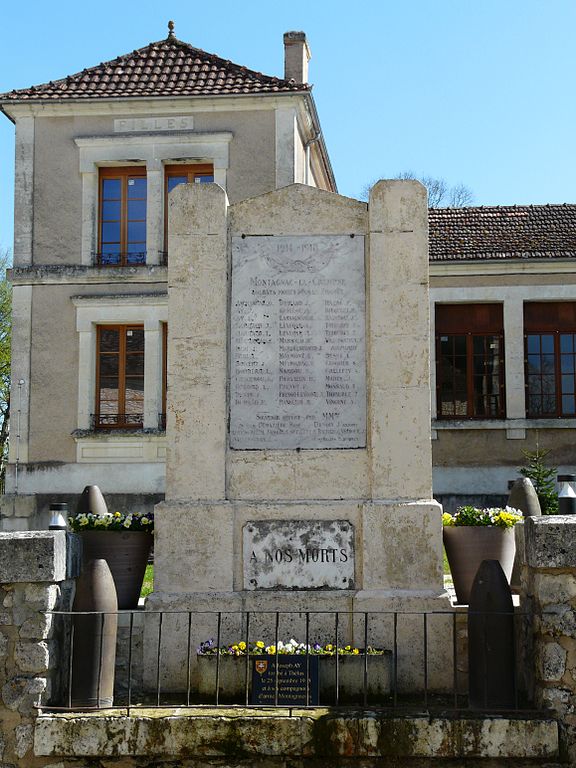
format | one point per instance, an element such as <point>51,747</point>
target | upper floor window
<point>122,220</point>
<point>550,359</point>
<point>470,361</point>
<point>120,377</point>
<point>183,174</point>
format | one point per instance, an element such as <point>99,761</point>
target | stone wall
<point>36,576</point>
<point>549,597</point>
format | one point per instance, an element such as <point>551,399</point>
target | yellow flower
<point>271,649</point>
<point>259,644</point>
<point>348,648</point>
<point>234,647</point>
<point>242,646</point>
<point>355,651</point>
<point>117,514</point>
<point>329,647</point>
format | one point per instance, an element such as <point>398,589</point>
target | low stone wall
<point>36,576</point>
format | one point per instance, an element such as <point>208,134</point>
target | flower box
<point>234,674</point>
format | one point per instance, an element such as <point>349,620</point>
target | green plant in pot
<point>472,535</point>
<point>123,539</point>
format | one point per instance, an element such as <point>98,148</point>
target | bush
<point>543,479</point>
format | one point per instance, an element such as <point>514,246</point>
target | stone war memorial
<point>299,456</point>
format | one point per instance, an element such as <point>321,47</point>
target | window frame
<point>192,171</point>
<point>471,321</point>
<point>122,353</point>
<point>122,172</point>
<point>556,319</point>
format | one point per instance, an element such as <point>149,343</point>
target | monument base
<point>209,556</point>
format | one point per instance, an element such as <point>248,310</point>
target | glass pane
<point>136,253</point>
<point>112,257</point>
<point>108,395</point>
<point>548,363</point>
<point>534,385</point>
<point>134,394</point>
<point>567,363</point>
<point>111,210</point>
<point>109,340</point>
<point>548,344</point>
<point>566,342</point>
<point>137,210</point>
<point>109,365</point>
<point>567,385</point>
<point>135,365</point>
<point>111,232</point>
<point>460,345</point>
<point>111,189</point>
<point>549,384</point>
<point>136,232</point>
<point>203,179</point>
<point>135,340</point>
<point>533,363</point>
<point>173,181</point>
<point>534,405</point>
<point>136,187</point>
<point>533,344</point>
<point>568,404</point>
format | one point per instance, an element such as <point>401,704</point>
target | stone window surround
<point>154,151</point>
<point>91,311</point>
<point>512,299</point>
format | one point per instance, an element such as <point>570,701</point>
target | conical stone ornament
<point>91,501</point>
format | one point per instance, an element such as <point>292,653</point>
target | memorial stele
<point>299,470</point>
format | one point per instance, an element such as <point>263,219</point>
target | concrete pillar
<point>154,211</point>
<point>399,351</point>
<point>197,328</point>
<point>23,192</point>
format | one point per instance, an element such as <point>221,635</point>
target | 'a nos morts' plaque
<point>298,554</point>
<point>298,370</point>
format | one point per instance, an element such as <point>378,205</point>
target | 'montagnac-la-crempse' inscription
<point>297,374</point>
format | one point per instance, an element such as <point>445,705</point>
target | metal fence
<point>410,661</point>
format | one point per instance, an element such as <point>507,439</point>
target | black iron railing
<point>133,259</point>
<point>400,661</point>
<point>117,421</point>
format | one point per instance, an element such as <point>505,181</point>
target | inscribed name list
<point>298,370</point>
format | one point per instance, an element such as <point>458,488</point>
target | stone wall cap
<point>551,541</point>
<point>38,556</point>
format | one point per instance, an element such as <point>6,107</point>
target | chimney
<point>296,57</point>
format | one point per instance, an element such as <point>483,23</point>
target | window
<point>550,359</point>
<point>470,361</point>
<point>120,377</point>
<point>122,223</point>
<point>183,174</point>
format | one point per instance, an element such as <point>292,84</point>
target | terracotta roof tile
<point>503,232</point>
<point>169,67</point>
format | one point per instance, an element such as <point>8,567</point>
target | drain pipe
<point>307,146</point>
<point>18,414</point>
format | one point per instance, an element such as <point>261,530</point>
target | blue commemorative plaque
<point>291,680</point>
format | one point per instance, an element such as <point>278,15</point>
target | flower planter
<point>466,548</point>
<point>232,677</point>
<point>126,553</point>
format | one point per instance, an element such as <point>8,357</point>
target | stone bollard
<point>37,569</point>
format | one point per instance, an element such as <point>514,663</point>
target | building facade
<point>97,154</point>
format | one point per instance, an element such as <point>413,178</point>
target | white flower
<point>145,521</point>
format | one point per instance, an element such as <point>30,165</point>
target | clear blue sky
<point>475,92</point>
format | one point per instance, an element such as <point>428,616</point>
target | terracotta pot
<point>466,548</point>
<point>126,553</point>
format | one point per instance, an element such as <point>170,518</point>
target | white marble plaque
<point>298,554</point>
<point>298,371</point>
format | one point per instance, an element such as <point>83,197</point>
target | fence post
<point>37,569</point>
<point>549,596</point>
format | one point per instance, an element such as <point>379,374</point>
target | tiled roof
<point>503,232</point>
<point>165,68</point>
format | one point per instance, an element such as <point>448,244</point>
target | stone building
<point>97,154</point>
